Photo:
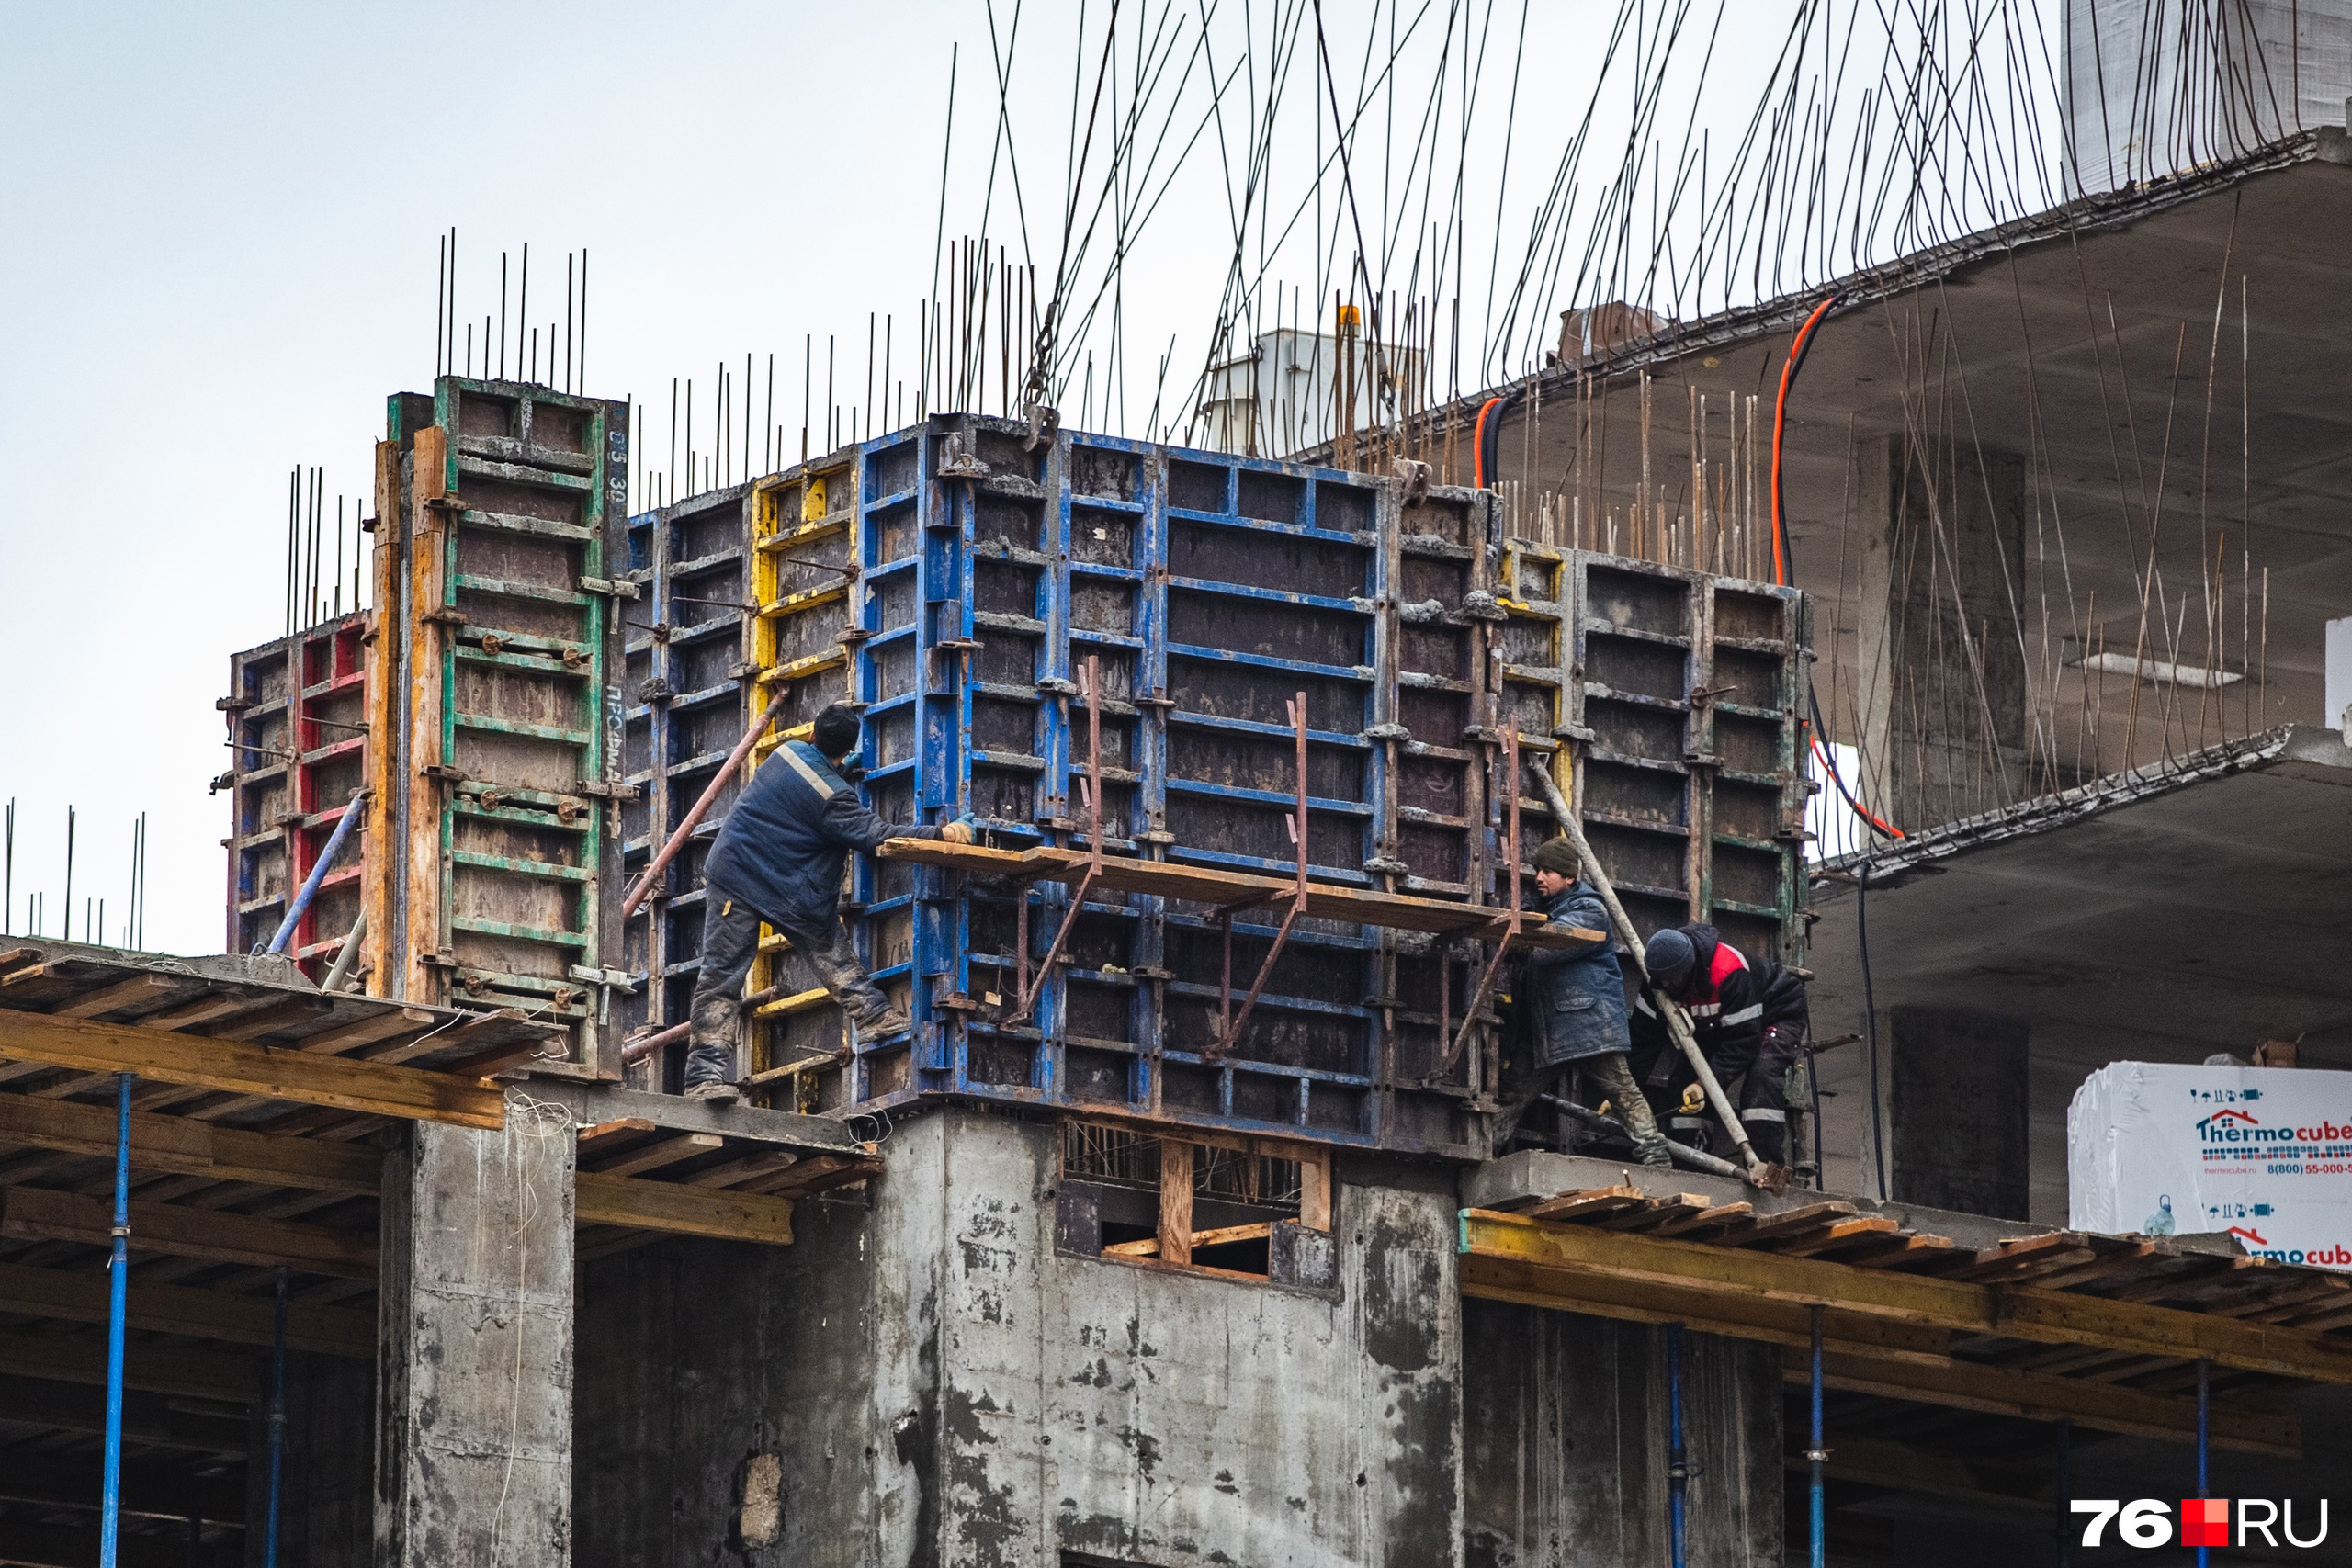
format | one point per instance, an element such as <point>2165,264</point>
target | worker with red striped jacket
<point>1748,1018</point>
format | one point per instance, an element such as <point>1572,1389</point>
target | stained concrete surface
<point>942,1386</point>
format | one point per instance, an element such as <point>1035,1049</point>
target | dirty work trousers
<point>1610,1077</point>
<point>1762,1096</point>
<point>730,940</point>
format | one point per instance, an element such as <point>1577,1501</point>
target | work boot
<point>718,1090</point>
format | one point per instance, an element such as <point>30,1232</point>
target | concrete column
<point>473,1453</point>
<point>1956,1111</point>
<point>1939,694</point>
<point>1565,1442</point>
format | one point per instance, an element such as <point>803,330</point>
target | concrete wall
<point>929,1382</point>
<point>1957,1110</point>
<point>1564,1433</point>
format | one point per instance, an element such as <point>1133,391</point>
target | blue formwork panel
<point>955,582</point>
<point>1210,592</point>
<point>684,698</point>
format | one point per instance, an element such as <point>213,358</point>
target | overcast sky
<point>222,257</point>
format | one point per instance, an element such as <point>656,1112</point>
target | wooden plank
<point>132,992</point>
<point>80,1296</point>
<point>820,1173</point>
<point>282,1014</point>
<point>382,861</point>
<point>600,1199</point>
<point>38,1214</point>
<point>1787,1223</point>
<point>426,931</point>
<point>1737,1275</point>
<point>1223,1236</point>
<point>2006,1391</point>
<point>1586,1203</point>
<point>1708,1221</point>
<point>661,1152</point>
<point>1855,1232</point>
<point>1176,1201</point>
<point>1206,884</point>
<point>180,1146</point>
<point>1315,1191</point>
<point>379,1024</point>
<point>176,1370</point>
<point>408,1093</point>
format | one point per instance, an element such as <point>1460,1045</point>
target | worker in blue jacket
<point>779,859</point>
<point>1574,1000</point>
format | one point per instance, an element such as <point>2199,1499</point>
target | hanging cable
<point>1784,558</point>
<point>1838,779</point>
<point>1870,1022</point>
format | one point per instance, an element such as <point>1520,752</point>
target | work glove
<point>959,831</point>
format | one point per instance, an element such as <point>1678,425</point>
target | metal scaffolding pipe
<point>637,894</point>
<point>277,1422</point>
<point>1817,1456</point>
<point>1677,1467</point>
<point>295,911</point>
<point>117,1310</point>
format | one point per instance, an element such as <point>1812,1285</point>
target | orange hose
<point>1478,445</point>
<point>1780,420</point>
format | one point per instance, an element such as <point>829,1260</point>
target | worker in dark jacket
<point>1749,1020</point>
<point>779,859</point>
<point>1575,1000</point>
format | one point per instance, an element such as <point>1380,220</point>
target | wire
<point>1838,779</point>
<point>1784,558</point>
<point>1870,1023</point>
<point>1486,439</point>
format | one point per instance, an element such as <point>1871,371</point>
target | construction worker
<point>779,859</point>
<point>1748,1018</point>
<point>1575,1000</point>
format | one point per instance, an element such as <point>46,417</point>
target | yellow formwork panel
<point>804,587</point>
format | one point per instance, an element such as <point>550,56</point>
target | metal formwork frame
<point>298,750</point>
<point>686,661</point>
<point>1738,789</point>
<point>480,644</point>
<point>802,634</point>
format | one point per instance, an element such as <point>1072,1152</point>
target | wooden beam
<point>80,1296</point>
<point>138,988</point>
<point>1867,1355</point>
<point>148,1419</point>
<point>409,1093</point>
<point>1206,885</point>
<point>152,1489</point>
<point>2009,1391</point>
<point>1223,1236</point>
<point>216,1236</point>
<point>661,1152</point>
<point>1739,1276</point>
<point>176,1370</point>
<point>1175,1202</point>
<point>24,1544</point>
<point>180,1145</point>
<point>602,1200</point>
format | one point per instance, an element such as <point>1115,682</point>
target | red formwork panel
<point>297,747</point>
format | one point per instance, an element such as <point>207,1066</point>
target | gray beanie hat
<point>1670,956</point>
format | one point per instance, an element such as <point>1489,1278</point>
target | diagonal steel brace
<point>1502,949</point>
<point>1093,782</point>
<point>1230,1027</point>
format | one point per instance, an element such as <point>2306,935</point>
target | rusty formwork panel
<point>955,584</point>
<point>298,750</point>
<point>961,607</point>
<point>496,635</point>
<point>1684,702</point>
<point>685,674</point>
